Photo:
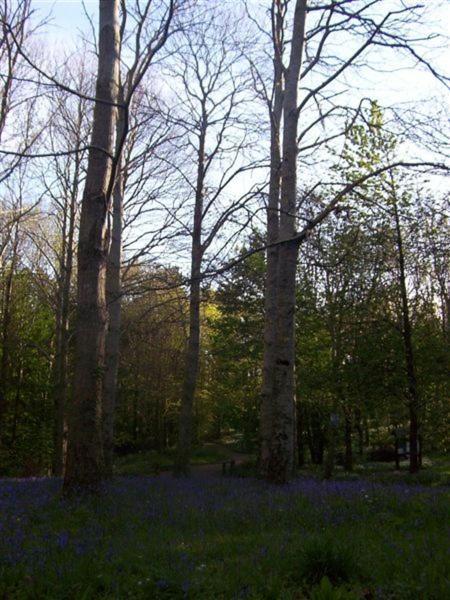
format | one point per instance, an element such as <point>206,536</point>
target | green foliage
<point>322,557</point>
<point>28,422</point>
<point>234,353</point>
<point>368,146</point>
<point>326,591</point>
<point>151,366</point>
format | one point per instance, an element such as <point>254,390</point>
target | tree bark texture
<point>192,359</point>
<point>273,207</point>
<point>84,455</point>
<point>112,353</point>
<point>281,462</point>
<point>348,457</point>
<point>113,302</point>
<point>413,394</point>
<point>60,375</point>
<point>330,457</point>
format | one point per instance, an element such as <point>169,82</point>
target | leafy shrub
<point>326,591</point>
<point>322,558</point>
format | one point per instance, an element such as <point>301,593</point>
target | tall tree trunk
<point>60,378</point>
<point>112,353</point>
<point>338,401</point>
<point>84,453</point>
<point>316,439</point>
<point>281,461</point>
<point>273,207</point>
<point>113,302</point>
<point>300,438</point>
<point>413,394</point>
<point>447,313</point>
<point>397,455</point>
<point>348,458</point>
<point>330,458</point>
<point>192,358</point>
<point>366,430</point>
<point>191,373</point>
<point>57,458</point>
<point>359,430</point>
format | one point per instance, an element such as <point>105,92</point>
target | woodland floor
<point>217,537</point>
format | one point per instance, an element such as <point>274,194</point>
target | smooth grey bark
<point>273,208</point>
<point>281,461</point>
<point>112,353</point>
<point>84,453</point>
<point>113,302</point>
<point>192,358</point>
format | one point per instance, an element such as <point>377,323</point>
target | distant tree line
<point>205,227</point>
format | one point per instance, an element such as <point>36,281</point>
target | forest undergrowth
<point>213,537</point>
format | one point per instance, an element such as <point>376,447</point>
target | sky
<point>67,19</point>
<point>387,80</point>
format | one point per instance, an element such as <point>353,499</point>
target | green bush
<point>322,558</point>
<point>326,591</point>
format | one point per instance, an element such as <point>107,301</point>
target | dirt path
<point>215,468</point>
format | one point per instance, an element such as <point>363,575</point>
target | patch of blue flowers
<point>168,537</point>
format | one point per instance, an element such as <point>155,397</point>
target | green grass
<point>217,538</point>
<point>370,535</point>
<point>435,472</point>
